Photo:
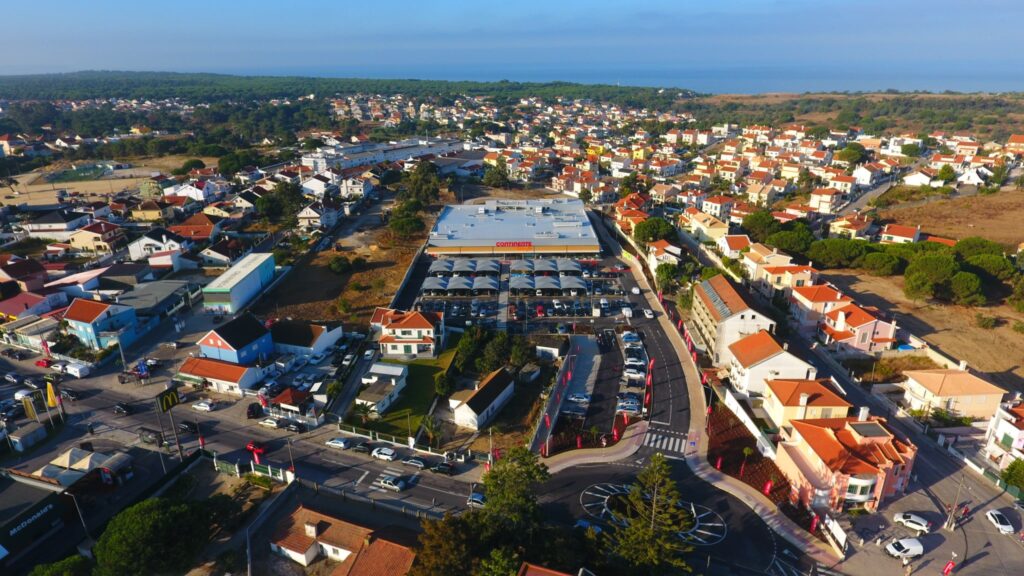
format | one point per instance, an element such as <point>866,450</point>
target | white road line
<point>363,477</point>
<point>661,423</point>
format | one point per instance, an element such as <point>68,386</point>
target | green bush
<point>966,289</point>
<point>1018,327</point>
<point>881,264</point>
<point>260,481</point>
<point>984,321</point>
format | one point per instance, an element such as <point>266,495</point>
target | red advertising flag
<point>46,346</point>
<point>650,365</point>
<point>948,568</point>
<point>256,456</point>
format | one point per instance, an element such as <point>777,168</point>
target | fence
<point>459,456</point>
<point>399,507</point>
<point>764,445</point>
<point>408,274</point>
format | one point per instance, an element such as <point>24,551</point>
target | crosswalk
<point>665,441</point>
<point>389,471</point>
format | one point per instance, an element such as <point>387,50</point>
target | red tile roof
<point>85,310</point>
<point>843,449</point>
<point>755,348</point>
<point>818,392</point>
<point>213,369</point>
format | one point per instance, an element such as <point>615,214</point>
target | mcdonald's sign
<point>167,399</point>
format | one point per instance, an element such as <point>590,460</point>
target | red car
<point>256,447</point>
<point>44,363</point>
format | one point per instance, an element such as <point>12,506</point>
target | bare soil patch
<point>996,217</point>
<point>951,329</point>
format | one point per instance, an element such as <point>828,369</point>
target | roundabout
<point>604,502</point>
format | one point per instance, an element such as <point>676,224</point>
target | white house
<point>383,383</point>
<point>354,187</point>
<point>320,214</point>
<point>758,357</point>
<point>404,334</point>
<point>304,338</point>
<point>721,316</point>
<point>475,408</point>
<point>201,191</point>
<point>1004,439</point>
<point>157,240</point>
<point>733,245</point>
<point>318,186</point>
<point>923,177</point>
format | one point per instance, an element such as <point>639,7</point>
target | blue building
<point>99,325</point>
<point>244,340</point>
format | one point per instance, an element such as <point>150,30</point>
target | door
<point>408,348</point>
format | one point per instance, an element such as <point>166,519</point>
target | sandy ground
<point>950,329</point>
<point>996,217</point>
<point>32,188</point>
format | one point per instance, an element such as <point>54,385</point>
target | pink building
<point>853,329</point>
<point>808,305</point>
<point>843,463</point>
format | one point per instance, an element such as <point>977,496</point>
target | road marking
<point>661,423</point>
<point>363,477</point>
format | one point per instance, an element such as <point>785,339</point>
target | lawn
<point>408,412</point>
<point>27,247</point>
<point>902,194</point>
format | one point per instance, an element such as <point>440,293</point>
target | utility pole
<point>952,507</point>
<point>80,517</point>
<point>291,460</point>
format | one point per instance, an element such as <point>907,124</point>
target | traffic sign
<point>167,399</point>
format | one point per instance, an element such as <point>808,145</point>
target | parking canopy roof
<point>435,283</point>
<point>488,266</point>
<point>521,283</point>
<point>485,283</point>
<point>572,283</point>
<point>460,283</point>
<point>521,267</point>
<point>566,265</point>
<point>440,266</point>
<point>547,283</point>
<point>545,266</point>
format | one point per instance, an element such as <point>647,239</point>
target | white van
<point>77,370</point>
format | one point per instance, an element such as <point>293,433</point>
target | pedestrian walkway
<point>631,441</point>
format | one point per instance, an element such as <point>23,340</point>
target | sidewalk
<point>624,448</point>
<point>696,458</point>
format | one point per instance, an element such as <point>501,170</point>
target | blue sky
<point>711,45</point>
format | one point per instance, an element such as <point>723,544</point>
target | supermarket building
<point>520,228</point>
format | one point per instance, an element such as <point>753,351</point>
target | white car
<point>384,453</point>
<point>912,521</point>
<point>23,394</point>
<point>391,483</point>
<point>270,423</point>
<point>340,443</point>
<point>579,398</point>
<point>905,548</point>
<point>203,406</point>
<point>1000,521</point>
<point>368,355</point>
<point>648,313</point>
<point>635,290</point>
<point>634,374</point>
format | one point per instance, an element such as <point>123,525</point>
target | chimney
<point>862,414</point>
<point>963,365</point>
<point>785,345</point>
<point>311,529</point>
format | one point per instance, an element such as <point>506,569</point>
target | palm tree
<point>747,452</point>
<point>362,411</point>
<point>432,428</point>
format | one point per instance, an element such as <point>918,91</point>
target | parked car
<point>12,378</point>
<point>12,413</point>
<point>69,394</point>
<point>415,462</point>
<point>44,363</point>
<point>579,398</point>
<point>317,358</point>
<point>362,447</point>
<point>122,409</point>
<point>475,500</point>
<point>256,447</point>
<point>384,453</point>
<point>270,422</point>
<point>905,548</point>
<point>634,373</point>
<point>912,521</point>
<point>204,406</point>
<point>368,355</point>
<point>648,313</point>
<point>188,427</point>
<point>339,443</point>
<point>297,427</point>
<point>349,358</point>
<point>392,483</point>
<point>446,468</point>
<point>173,345</point>
<point>1000,521</point>
<point>635,290</point>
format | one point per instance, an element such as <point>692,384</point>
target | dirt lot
<point>996,217</point>
<point>313,291</point>
<point>477,193</point>
<point>33,188</point>
<point>950,329</point>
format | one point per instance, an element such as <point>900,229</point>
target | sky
<point>708,45</point>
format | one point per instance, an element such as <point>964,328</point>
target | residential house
<point>664,193</point>
<point>760,194</point>
<point>319,186</point>
<point>661,252</point>
<point>1004,437</point>
<point>381,386</point>
<point>153,211</point>
<point>717,206</point>
<point>856,330</point>
<point>243,340</point>
<point>898,234</point>
<point>99,325</point>
<point>801,399</point>
<point>703,227</point>
<point>305,535</point>
<point>100,237</point>
<point>199,227</point>
<point>31,304</point>
<point>56,224</point>
<point>404,334</point>
<point>28,273</point>
<point>474,408</point>
<point>156,240</point>
<point>320,214</point>
<point>808,305</point>
<point>721,316</point>
<point>201,191</point>
<point>956,391</point>
<point>1015,144</point>
<point>868,175</point>
<point>852,226</point>
<point>304,338</point>
<point>839,464</point>
<point>923,177</point>
<point>225,252</point>
<point>759,357</point>
<point>781,280</point>
<point>218,375</point>
<point>733,245</point>
<point>759,256</point>
<point>825,200</point>
<point>355,187</point>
